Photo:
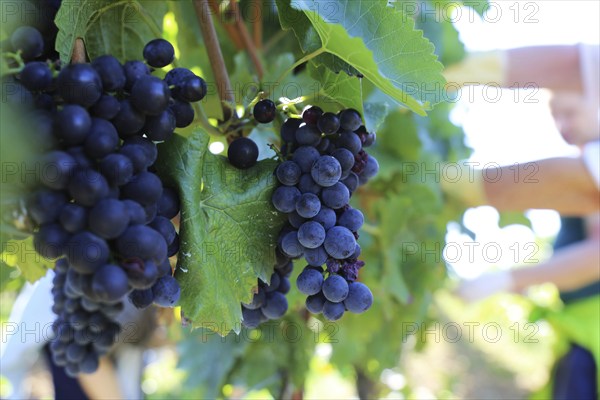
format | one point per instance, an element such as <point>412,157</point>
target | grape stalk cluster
<point>97,204</point>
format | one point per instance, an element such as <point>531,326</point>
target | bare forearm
<point>570,268</point>
<point>102,384</point>
<point>552,67</point>
<point>561,184</point>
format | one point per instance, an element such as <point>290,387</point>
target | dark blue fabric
<point>575,376</point>
<point>65,387</point>
<point>572,230</point>
<point>575,373</point>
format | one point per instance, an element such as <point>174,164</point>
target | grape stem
<point>301,61</point>
<point>277,152</point>
<point>215,55</point>
<point>78,55</point>
<point>18,59</point>
<point>371,229</point>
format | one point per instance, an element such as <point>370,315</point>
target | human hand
<point>485,285</point>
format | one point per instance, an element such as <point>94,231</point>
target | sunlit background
<point>517,127</point>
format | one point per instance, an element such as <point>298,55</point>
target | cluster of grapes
<point>84,328</point>
<point>36,20</point>
<point>325,164</point>
<point>96,200</point>
<point>269,302</point>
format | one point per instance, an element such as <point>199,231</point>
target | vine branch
<point>257,25</point>
<point>217,62</point>
<point>248,43</point>
<point>233,34</point>
<point>78,55</point>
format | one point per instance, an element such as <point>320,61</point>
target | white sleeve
<point>591,158</point>
<point>589,61</point>
<point>28,328</point>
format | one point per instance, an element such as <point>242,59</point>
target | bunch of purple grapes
<point>326,164</point>
<point>269,302</point>
<point>97,201</point>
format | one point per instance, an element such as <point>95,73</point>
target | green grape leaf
<point>481,6</point>
<point>279,351</point>
<point>21,254</point>
<point>336,89</point>
<point>375,114</point>
<point>120,28</point>
<point>203,348</point>
<point>308,38</point>
<point>392,213</point>
<point>382,44</point>
<point>439,10</point>
<point>228,230</point>
<point>291,86</point>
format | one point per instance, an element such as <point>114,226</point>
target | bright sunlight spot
<point>216,147</point>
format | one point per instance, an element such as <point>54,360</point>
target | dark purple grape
<point>141,298</point>
<point>50,240</point>
<point>288,129</point>
<point>44,205</point>
<point>79,84</point>
<point>86,252</point>
<point>140,241</point>
<point>242,153</point>
<point>183,112</point>
<point>305,157</point>
<point>57,167</point>
<point>264,111</point>
<point>328,123</point>
<point>87,186</point>
<point>165,227</point>
<point>128,121</point>
<point>141,274</point>
<point>116,168</point>
<point>102,139</point>
<point>359,298</point>
<point>159,53</point>
<point>160,127</point>
<point>29,41</point>
<point>190,89</point>
<point>333,311</point>
<point>109,218</point>
<point>315,303</point>
<point>73,217</point>
<point>150,95</point>
<point>134,70</point>
<point>106,107</point>
<point>145,188</point>
<point>311,115</point>
<point>350,119</point>
<point>111,73</point>
<point>36,76</point>
<point>310,281</point>
<point>72,124</point>
<point>166,291</point>
<point>175,76</point>
<point>110,283</point>
<point>168,204</point>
